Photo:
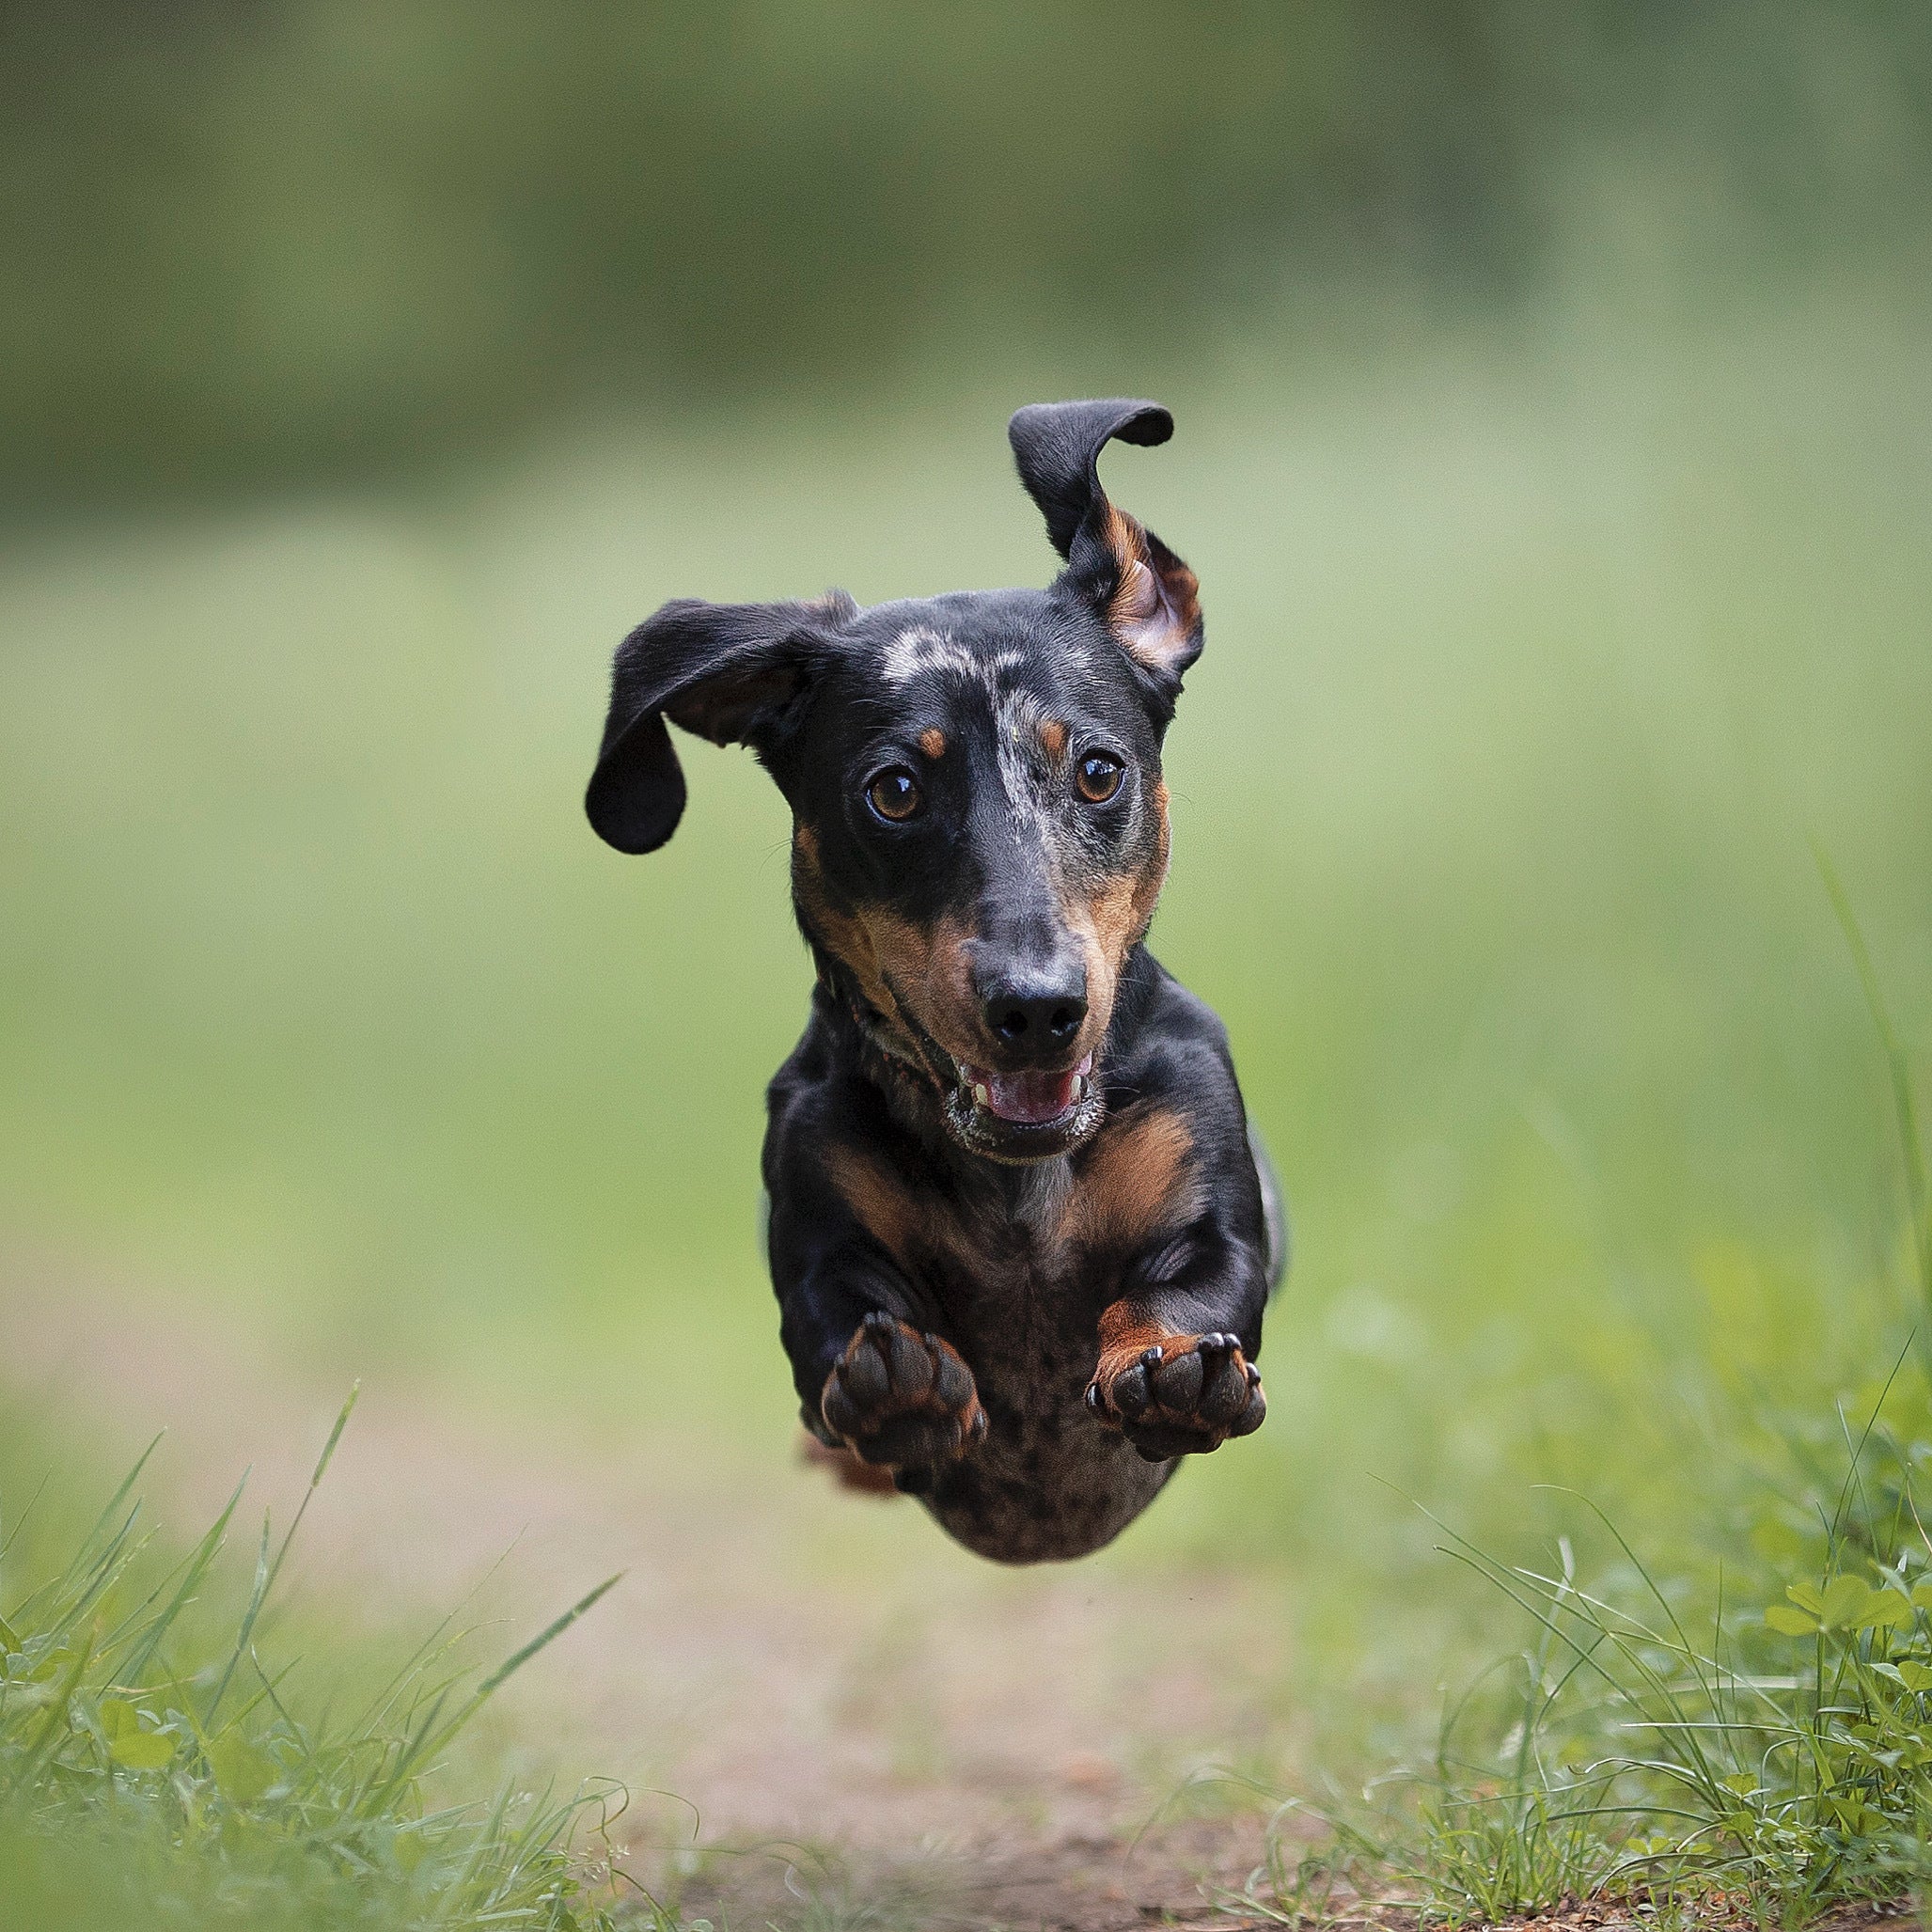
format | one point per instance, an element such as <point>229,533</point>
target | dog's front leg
<point>1175,1372</point>
<point>871,1374</point>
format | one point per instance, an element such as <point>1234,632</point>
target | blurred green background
<point>1554,389</point>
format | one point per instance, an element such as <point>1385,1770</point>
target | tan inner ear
<point>722,708</point>
<point>1155,608</point>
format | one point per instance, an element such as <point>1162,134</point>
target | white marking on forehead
<point>1017,716</point>
<point>923,649</point>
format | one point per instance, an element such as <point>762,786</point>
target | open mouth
<point>1024,1117</point>
<point>1034,1098</point>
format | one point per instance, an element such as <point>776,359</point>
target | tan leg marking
<point>1172,1394</point>
<point>881,1206</point>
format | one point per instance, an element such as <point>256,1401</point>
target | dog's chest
<point>1022,1307</point>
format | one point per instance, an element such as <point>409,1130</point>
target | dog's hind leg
<point>846,1468</point>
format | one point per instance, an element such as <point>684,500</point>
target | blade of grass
<point>266,1571</point>
<point>193,1571</point>
<point>321,1468</point>
<point>19,1521</point>
<point>431,1736</point>
<point>119,1497</point>
<point>264,1575</point>
<point>1910,1149</point>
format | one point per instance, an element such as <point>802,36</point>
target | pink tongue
<point>1031,1098</point>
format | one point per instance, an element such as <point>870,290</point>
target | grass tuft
<point>1752,1746</point>
<point>155,1768</point>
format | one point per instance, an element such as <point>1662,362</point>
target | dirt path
<point>850,1705</point>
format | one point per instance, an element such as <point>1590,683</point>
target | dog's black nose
<point>1034,1016</point>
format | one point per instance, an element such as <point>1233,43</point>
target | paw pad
<point>1183,1396</point>
<point>902,1398</point>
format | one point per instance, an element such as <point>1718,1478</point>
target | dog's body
<point>1023,1270</point>
<point>1020,1235</point>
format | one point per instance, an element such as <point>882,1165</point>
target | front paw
<point>1185,1395</point>
<point>902,1399</point>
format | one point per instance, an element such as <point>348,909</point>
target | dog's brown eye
<point>1098,777</point>
<point>894,794</point>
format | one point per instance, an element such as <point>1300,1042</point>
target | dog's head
<point>980,824</point>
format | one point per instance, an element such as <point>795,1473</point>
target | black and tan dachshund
<point>1021,1236</point>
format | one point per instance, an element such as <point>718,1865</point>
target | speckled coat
<point>1021,1236</point>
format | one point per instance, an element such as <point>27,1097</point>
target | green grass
<point>1750,1736</point>
<point>1536,665</point>
<point>162,1763</point>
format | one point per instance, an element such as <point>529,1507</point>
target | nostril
<point>1031,1024</point>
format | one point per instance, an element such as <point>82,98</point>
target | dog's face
<point>979,822</point>
<point>982,831</point>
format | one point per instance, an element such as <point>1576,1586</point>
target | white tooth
<point>1079,1088</point>
<point>980,1095</point>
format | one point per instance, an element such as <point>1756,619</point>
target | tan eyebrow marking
<point>933,741</point>
<point>1053,735</point>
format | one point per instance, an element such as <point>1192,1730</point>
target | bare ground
<point>861,1722</point>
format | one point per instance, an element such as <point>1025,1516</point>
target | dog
<point>1021,1234</point>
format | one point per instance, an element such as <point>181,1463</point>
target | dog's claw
<point>1184,1397</point>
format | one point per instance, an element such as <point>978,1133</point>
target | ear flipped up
<point>729,672</point>
<point>1150,598</point>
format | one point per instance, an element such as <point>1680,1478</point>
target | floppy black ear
<point>1057,445</point>
<point>1150,597</point>
<point>730,672</point>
